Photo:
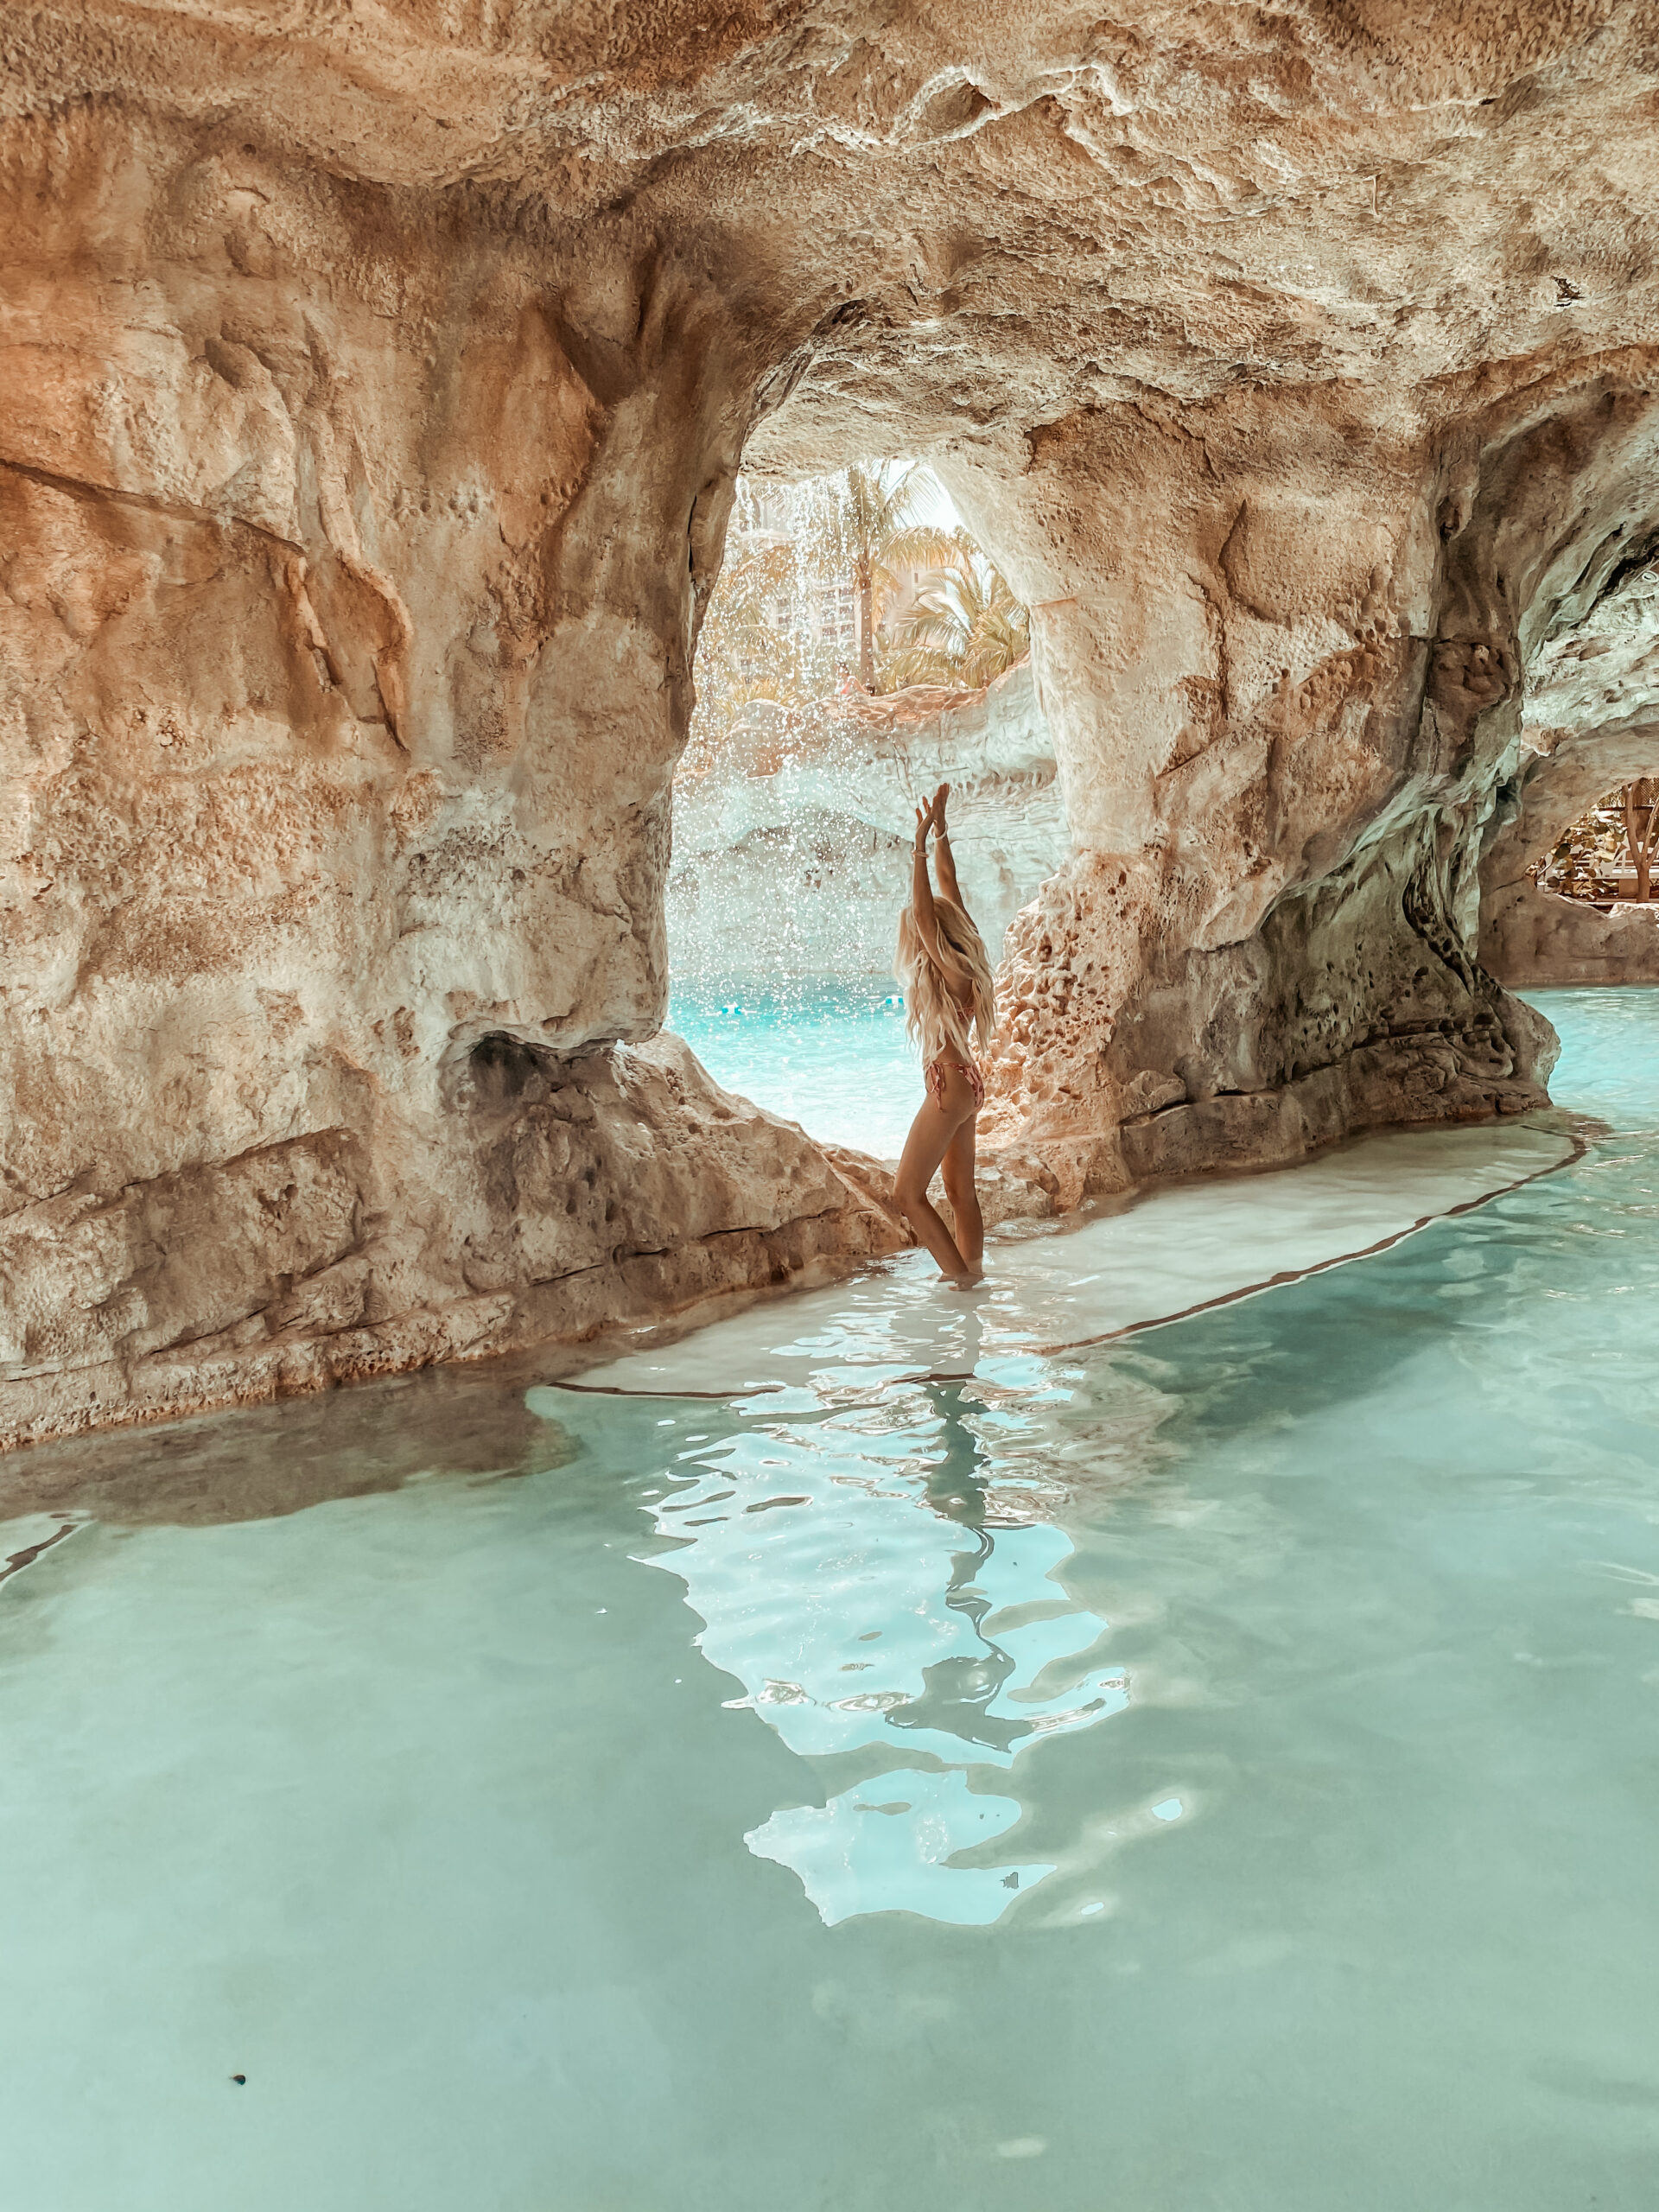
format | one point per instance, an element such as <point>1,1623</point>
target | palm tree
<point>967,629</point>
<point>766,658</point>
<point>876,533</point>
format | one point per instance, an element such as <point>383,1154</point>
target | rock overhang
<point>381,388</point>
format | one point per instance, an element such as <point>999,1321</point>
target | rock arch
<point>1530,935</point>
<point>1591,720</point>
<point>376,396</point>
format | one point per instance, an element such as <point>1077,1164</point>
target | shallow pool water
<point>1215,1770</point>
<point>832,1055</point>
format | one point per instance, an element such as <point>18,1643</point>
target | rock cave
<point>552,1659</point>
<point>377,384</point>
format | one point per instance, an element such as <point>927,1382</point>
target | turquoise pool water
<point>833,1056</point>
<point>1219,1774</point>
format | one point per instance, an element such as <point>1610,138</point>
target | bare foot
<point>964,1282</point>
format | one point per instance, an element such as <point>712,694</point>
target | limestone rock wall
<point>1591,722</point>
<point>375,379</point>
<point>1537,938</point>
<point>1277,769</point>
<point>346,659</point>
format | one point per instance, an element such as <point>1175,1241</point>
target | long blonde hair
<point>934,1015</point>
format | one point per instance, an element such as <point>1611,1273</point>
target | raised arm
<point>921,905</point>
<point>943,860</point>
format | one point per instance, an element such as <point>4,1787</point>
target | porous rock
<point>375,381</point>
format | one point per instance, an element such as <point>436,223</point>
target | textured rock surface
<point>1591,722</point>
<point>802,865</point>
<point>578,1192</point>
<point>375,380</point>
<point>1536,937</point>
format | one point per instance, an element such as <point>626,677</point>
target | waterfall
<point>793,802</point>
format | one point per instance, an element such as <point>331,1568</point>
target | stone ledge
<point>204,1375</point>
<point>1538,940</point>
<point>587,1194</point>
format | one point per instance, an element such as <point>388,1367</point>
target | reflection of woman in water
<point>956,1691</point>
<point>950,1001</point>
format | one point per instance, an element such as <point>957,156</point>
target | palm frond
<point>966,628</point>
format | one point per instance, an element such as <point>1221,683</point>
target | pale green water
<point>831,1054</point>
<point>1301,1661</point>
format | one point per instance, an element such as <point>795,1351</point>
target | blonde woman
<point>950,1002</point>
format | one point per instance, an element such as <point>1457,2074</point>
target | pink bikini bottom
<point>939,1070</point>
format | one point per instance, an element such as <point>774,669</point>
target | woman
<point>949,998</point>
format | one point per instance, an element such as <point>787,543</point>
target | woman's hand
<point>941,860</point>
<point>924,824</point>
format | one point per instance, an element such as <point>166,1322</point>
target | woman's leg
<point>958,1166</point>
<point>924,1148</point>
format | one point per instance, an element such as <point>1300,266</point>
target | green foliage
<point>874,534</point>
<point>809,576</point>
<point>751,650</point>
<point>966,629</point>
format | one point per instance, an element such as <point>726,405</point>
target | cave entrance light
<point>1611,852</point>
<point>859,647</point>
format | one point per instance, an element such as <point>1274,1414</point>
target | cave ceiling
<point>937,238</point>
<point>378,376</point>
<point>929,239</point>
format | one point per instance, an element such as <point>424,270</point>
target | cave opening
<point>1569,846</point>
<point>1609,856</point>
<point>860,647</point>
<point>1570,877</point>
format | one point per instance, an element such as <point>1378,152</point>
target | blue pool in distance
<point>832,1055</point>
